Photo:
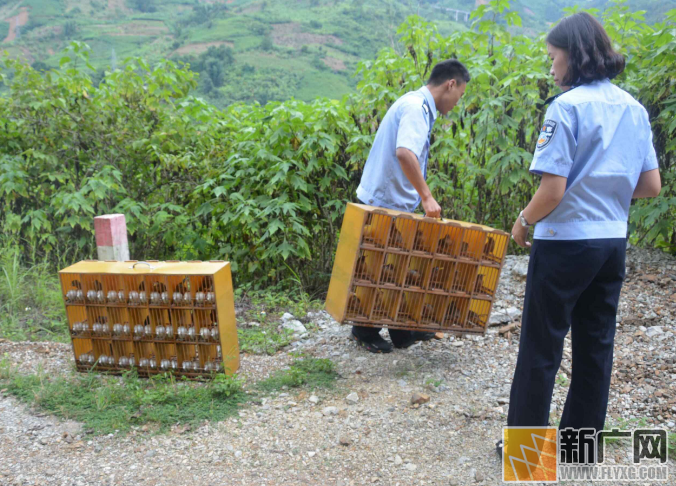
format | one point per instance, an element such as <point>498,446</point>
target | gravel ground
<point>365,431</point>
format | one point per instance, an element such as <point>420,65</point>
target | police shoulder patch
<point>546,134</point>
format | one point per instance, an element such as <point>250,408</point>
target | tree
<point>266,43</point>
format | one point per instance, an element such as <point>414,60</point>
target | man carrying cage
<point>395,173</point>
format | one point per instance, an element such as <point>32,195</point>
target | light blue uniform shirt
<point>599,137</point>
<point>408,124</point>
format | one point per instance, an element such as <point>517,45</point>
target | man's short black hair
<point>590,53</point>
<point>450,69</point>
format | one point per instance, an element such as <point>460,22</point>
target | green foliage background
<point>265,186</point>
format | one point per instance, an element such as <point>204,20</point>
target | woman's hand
<point>520,234</point>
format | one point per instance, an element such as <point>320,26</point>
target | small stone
<point>238,454</point>
<point>653,331</point>
<point>479,476</point>
<point>344,441</point>
<point>520,270</point>
<point>311,453</point>
<point>288,317</point>
<point>503,400</point>
<point>352,398</point>
<point>398,460</point>
<point>411,467</point>
<point>419,398</point>
<point>330,411</point>
<point>513,312</point>
<point>295,326</point>
<point>458,344</point>
<point>314,399</point>
<point>463,459</point>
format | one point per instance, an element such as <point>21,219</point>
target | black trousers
<point>398,336</point>
<point>570,284</point>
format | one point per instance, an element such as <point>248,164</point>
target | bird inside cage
<point>182,286</point>
<point>360,269</point>
<point>489,246</point>
<point>474,319</point>
<point>396,240</point>
<point>378,304</point>
<point>464,249</point>
<point>427,312</point>
<point>413,278</point>
<point>159,287</point>
<point>354,305</point>
<point>437,278</point>
<point>479,285</point>
<point>388,273</point>
<point>445,245</point>
<point>419,241</point>
<point>453,313</point>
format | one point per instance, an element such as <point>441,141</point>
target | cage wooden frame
<point>134,319</point>
<point>405,271</point>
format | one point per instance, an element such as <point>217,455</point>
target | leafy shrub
<point>266,186</point>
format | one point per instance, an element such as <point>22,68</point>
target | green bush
<point>266,186</point>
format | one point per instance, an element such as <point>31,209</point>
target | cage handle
<point>142,263</point>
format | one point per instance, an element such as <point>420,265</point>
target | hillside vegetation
<point>249,50</point>
<point>265,186</point>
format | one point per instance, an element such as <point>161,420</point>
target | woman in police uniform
<point>594,154</point>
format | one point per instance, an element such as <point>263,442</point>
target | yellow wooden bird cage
<point>153,316</point>
<point>406,271</point>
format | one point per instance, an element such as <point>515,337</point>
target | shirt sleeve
<point>556,146</point>
<point>650,160</point>
<point>412,131</point>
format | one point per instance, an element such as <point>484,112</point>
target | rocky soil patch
<point>426,415</point>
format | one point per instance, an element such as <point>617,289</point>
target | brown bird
<point>368,234</point>
<point>159,287</point>
<point>436,278</point>
<point>76,284</point>
<point>182,286</point>
<point>464,249</point>
<point>474,319</point>
<point>97,285</point>
<point>445,245</point>
<point>396,240</point>
<point>452,313</point>
<point>458,283</point>
<point>354,305</point>
<point>142,286</point>
<point>360,270</point>
<point>419,241</point>
<point>479,285</point>
<point>427,312</point>
<point>413,278</point>
<point>378,305</point>
<point>388,274</point>
<point>489,246</point>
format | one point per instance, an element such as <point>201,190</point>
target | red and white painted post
<point>111,237</point>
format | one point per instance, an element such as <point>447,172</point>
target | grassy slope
<point>316,44</point>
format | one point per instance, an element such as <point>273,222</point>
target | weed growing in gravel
<point>266,339</point>
<point>105,404</point>
<point>308,372</point>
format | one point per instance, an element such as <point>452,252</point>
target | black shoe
<point>413,338</point>
<point>498,448</point>
<point>375,344</point>
<point>422,336</point>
